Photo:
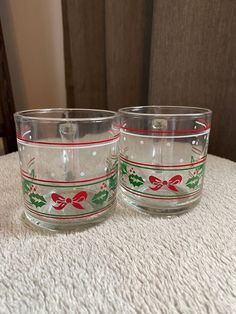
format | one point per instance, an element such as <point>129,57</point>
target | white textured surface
<point>132,263</point>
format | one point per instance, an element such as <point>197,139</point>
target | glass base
<point>160,208</point>
<point>64,225</point>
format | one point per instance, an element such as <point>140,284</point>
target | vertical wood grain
<point>128,35</point>
<point>84,42</point>
<point>7,107</point>
<point>193,63</point>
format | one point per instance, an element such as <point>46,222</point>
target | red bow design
<point>170,184</point>
<point>75,201</point>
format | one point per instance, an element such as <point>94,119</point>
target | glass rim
<point>25,114</point>
<point>128,111</point>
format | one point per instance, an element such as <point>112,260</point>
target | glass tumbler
<point>68,161</point>
<point>163,151</point>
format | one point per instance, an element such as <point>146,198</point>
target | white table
<point>132,263</point>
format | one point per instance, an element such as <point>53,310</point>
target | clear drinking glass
<point>163,151</point>
<point>68,160</point>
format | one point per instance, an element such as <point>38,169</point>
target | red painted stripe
<point>167,132</point>
<point>161,166</point>
<point>68,144</point>
<point>31,161</point>
<point>197,150</point>
<point>160,198</point>
<point>69,182</point>
<point>69,217</point>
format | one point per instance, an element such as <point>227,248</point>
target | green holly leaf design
<point>193,182</point>
<point>25,186</point>
<point>32,173</point>
<point>108,164</point>
<point>115,163</point>
<point>201,169</point>
<point>135,180</point>
<point>123,168</point>
<point>100,197</point>
<point>37,200</point>
<point>113,182</point>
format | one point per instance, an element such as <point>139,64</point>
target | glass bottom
<point>166,208</point>
<point>65,225</point>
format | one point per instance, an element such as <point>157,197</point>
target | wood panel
<point>84,42</point>
<point>128,34</point>
<point>7,108</point>
<point>194,63</point>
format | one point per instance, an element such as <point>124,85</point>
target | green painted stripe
<point>80,215</point>
<point>158,195</point>
<point>161,169</point>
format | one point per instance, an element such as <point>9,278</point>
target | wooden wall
<point>137,52</point>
